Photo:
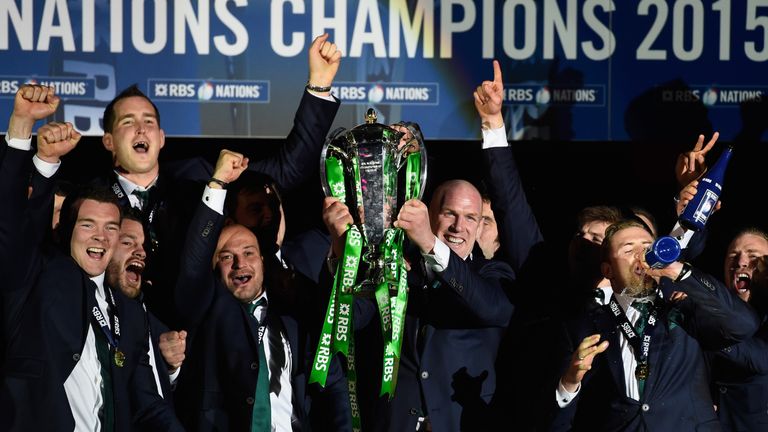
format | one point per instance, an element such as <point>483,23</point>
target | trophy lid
<point>344,144</point>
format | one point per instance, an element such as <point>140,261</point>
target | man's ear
<point>162,138</point>
<point>607,270</point>
<point>107,141</point>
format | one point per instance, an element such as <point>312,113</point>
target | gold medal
<point>119,358</point>
<point>641,371</point>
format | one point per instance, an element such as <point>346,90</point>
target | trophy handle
<point>328,147</point>
<point>416,143</point>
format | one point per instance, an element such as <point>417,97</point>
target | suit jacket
<point>47,302</point>
<point>740,383</point>
<point>453,326</point>
<point>519,232</point>
<point>676,395</point>
<point>179,185</point>
<point>156,328</point>
<point>218,381</point>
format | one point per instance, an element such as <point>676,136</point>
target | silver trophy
<point>380,153</point>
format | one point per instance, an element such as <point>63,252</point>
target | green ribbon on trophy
<point>396,280</point>
<point>364,162</point>
<point>335,333</point>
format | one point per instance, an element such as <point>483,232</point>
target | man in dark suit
<point>740,372</point>
<point>509,232</point>
<point>457,311</point>
<point>637,363</point>
<point>124,273</point>
<point>135,138</point>
<point>76,348</point>
<point>248,363</point>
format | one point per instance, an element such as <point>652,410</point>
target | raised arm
<point>299,158</point>
<point>518,230</point>
<point>691,165</point>
<point>31,103</point>
<point>195,287</point>
<point>714,315</point>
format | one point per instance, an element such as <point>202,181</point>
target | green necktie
<point>107,414</point>
<point>143,197</point>
<point>261,418</point>
<point>645,309</point>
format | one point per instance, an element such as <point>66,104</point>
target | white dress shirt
<point>84,384</point>
<point>129,186</point>
<point>281,405</point>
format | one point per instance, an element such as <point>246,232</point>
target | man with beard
<point>637,363</point>
<point>249,358</point>
<point>75,348</point>
<point>740,372</point>
<point>166,348</point>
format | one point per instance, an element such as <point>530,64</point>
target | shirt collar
<point>262,296</point>
<point>99,281</point>
<point>625,301</point>
<point>129,186</point>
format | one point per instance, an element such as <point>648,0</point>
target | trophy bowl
<point>372,158</point>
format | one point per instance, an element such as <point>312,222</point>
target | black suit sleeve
<point>713,314</point>
<point>24,223</point>
<point>482,292</point>
<point>151,413</point>
<point>750,355</point>
<point>299,157</point>
<point>195,288</point>
<point>518,230</point>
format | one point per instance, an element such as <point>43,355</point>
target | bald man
<point>457,312</point>
<point>248,358</point>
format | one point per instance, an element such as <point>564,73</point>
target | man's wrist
<point>318,87</point>
<point>492,122</point>
<point>215,183</point>
<point>20,127</point>
<point>46,158</point>
<point>684,272</point>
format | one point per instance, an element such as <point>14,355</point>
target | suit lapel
<point>606,326</point>
<point>291,333</point>
<point>658,338</point>
<point>251,325</point>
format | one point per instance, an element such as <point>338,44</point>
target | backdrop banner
<point>597,70</point>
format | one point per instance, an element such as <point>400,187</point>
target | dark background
<point>559,178</point>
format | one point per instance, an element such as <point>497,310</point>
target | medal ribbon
<point>113,335</point>
<point>639,348</point>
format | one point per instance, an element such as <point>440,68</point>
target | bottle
<point>663,252</point>
<point>698,210</point>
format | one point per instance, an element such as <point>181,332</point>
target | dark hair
<point>249,182</point>
<point>637,211</point>
<point>109,111</point>
<point>131,213</point>
<point>64,188</point>
<point>70,210</point>
<point>602,213</point>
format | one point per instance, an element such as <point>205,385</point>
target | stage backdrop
<point>597,70</point>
